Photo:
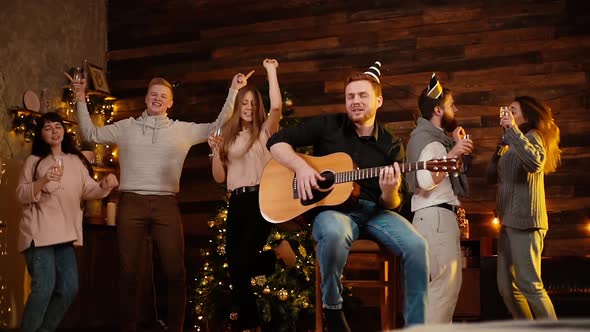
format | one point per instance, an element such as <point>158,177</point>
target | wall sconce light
<point>495,221</point>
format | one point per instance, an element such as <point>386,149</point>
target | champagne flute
<point>503,113</point>
<point>467,136</point>
<point>77,74</point>
<point>467,158</point>
<point>215,150</point>
<point>58,167</point>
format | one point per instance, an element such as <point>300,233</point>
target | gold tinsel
<point>302,251</point>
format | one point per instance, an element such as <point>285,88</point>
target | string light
<point>25,121</point>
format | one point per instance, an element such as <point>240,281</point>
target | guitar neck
<point>367,173</point>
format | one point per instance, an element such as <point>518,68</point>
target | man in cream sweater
<point>152,150</point>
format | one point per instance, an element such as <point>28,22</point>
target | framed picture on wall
<point>99,78</point>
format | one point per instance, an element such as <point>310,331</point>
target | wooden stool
<point>367,251</point>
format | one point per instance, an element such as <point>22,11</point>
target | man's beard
<point>448,123</point>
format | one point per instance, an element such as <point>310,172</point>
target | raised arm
<point>529,148</point>
<point>90,132</point>
<point>200,131</point>
<point>274,94</point>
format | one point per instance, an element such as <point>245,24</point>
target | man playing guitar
<point>369,145</point>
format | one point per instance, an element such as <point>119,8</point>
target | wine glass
<point>215,149</point>
<point>58,167</point>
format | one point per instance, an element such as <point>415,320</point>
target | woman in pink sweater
<point>54,181</point>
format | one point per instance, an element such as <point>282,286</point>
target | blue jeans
<point>334,233</point>
<point>54,284</point>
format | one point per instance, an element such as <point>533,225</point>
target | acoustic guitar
<point>280,202</point>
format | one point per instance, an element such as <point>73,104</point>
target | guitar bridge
<point>294,187</point>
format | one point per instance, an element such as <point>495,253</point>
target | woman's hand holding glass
<point>55,172</point>
<point>506,118</point>
<point>52,175</point>
<point>215,140</point>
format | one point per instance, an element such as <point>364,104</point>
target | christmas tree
<point>282,296</point>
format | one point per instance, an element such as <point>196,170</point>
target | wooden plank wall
<point>486,51</point>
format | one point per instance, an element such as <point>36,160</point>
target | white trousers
<point>440,229</point>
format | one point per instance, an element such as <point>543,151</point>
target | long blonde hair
<point>233,126</point>
<point>539,117</point>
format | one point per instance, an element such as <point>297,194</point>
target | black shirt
<point>336,133</point>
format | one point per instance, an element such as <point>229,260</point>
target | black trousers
<point>246,234</point>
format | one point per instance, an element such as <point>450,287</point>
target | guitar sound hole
<point>319,194</point>
<point>329,182</point>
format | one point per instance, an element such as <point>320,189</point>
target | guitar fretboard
<point>367,173</point>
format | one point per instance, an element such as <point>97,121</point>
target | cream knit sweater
<point>152,149</point>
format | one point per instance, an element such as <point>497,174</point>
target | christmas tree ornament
<point>266,247</point>
<point>278,236</point>
<point>233,316</point>
<point>211,223</point>
<point>221,250</point>
<point>283,294</point>
<point>266,290</point>
<point>198,309</point>
<point>302,251</point>
<point>259,280</point>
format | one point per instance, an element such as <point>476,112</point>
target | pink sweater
<point>54,215</point>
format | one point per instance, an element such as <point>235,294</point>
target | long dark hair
<point>41,149</point>
<point>539,117</point>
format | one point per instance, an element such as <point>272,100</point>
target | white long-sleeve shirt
<point>427,192</point>
<point>152,149</point>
